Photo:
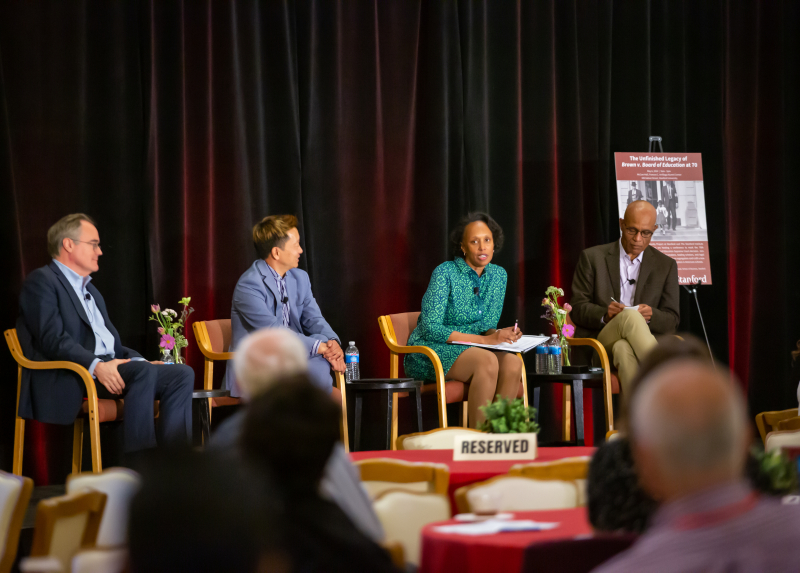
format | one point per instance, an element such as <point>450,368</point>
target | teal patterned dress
<point>451,305</point>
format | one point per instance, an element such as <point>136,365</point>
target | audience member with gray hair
<point>272,356</point>
<point>690,438</point>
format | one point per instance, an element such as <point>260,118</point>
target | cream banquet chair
<point>383,474</point>
<point>15,493</point>
<point>782,439</point>
<point>766,422</point>
<point>574,470</point>
<point>100,561</point>
<point>120,485</point>
<point>520,494</point>
<point>67,524</point>
<point>403,514</point>
<point>438,439</point>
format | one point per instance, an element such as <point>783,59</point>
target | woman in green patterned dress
<point>463,302</point>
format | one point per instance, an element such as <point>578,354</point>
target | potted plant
<point>506,416</point>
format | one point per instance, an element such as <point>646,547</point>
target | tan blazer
<point>597,278</point>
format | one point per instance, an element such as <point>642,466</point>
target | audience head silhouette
<point>290,431</point>
<point>689,426</point>
<point>267,356</point>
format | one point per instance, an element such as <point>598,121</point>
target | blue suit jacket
<point>53,326</point>
<point>257,304</point>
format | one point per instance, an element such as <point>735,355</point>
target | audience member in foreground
<point>64,317</point>
<point>690,438</point>
<point>463,302</point>
<point>616,501</point>
<point>626,273</point>
<point>193,515</point>
<point>289,432</point>
<point>274,292</point>
<point>277,356</point>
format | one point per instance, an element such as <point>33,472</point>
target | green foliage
<point>508,417</point>
<point>777,474</point>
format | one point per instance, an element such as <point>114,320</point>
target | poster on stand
<point>673,184</point>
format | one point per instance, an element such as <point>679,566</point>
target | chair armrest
<point>427,351</point>
<point>601,351</point>
<point>88,381</point>
<point>217,355</point>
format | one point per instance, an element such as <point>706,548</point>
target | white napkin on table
<point>492,526</point>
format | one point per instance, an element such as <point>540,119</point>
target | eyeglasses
<point>631,232</point>
<point>95,244</point>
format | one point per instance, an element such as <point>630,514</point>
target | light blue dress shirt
<point>103,339</point>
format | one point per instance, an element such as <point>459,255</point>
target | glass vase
<point>178,356</point>
<point>565,351</point>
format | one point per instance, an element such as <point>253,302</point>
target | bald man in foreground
<point>690,434</point>
<point>625,292</point>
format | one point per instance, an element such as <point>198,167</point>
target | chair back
<point>66,524</point>
<point>782,439</point>
<point>214,338</point>
<point>513,493</point>
<point>120,485</point>
<point>403,515</point>
<point>575,470</point>
<point>438,439</point>
<point>790,424</point>
<point>15,493</point>
<point>382,474</point>
<point>768,421</point>
<point>400,326</point>
<point>100,561</point>
<point>574,555</point>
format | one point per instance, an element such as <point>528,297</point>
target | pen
<point>615,300</point>
<point>516,323</point>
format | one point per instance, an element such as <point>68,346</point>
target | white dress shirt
<point>628,270</point>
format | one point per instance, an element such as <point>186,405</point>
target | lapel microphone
<point>88,296</point>
<point>631,281</point>
<point>285,299</point>
<point>476,290</point>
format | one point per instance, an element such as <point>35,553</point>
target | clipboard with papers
<point>523,345</point>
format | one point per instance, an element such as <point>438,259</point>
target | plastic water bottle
<point>351,360</point>
<point>542,359</point>
<point>554,354</point>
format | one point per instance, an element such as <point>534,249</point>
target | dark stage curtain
<point>177,125</point>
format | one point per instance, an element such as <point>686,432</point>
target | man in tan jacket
<point>625,292</point>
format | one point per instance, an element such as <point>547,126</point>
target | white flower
<point>172,312</point>
<point>561,311</point>
<point>165,313</point>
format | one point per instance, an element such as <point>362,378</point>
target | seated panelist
<point>63,317</point>
<point>273,292</point>
<point>463,302</point>
<point>626,273</point>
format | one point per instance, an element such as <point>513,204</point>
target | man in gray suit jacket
<point>625,292</point>
<point>273,292</point>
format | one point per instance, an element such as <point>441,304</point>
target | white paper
<point>492,526</point>
<point>524,344</point>
<point>631,307</point>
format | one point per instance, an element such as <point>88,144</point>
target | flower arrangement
<point>557,315</point>
<point>508,417</point>
<point>171,327</point>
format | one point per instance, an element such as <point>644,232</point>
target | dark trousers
<point>672,215</point>
<point>172,385</point>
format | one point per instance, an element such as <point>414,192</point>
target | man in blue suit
<point>273,292</point>
<point>64,317</point>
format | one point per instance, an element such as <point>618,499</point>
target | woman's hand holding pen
<point>509,335</point>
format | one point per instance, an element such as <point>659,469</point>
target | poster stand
<point>656,139</point>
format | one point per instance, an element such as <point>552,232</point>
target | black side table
<point>574,380</point>
<point>391,386</point>
<point>200,410</point>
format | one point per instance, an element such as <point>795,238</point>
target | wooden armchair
<point>97,410</point>
<point>396,328</point>
<point>15,494</point>
<point>214,338</point>
<point>66,524</point>
<point>381,474</point>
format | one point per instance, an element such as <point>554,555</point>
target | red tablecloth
<point>467,472</point>
<point>498,553</point>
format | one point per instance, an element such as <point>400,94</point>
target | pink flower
<point>167,342</point>
<point>545,301</point>
<point>568,330</point>
<point>156,308</point>
<point>161,330</point>
<point>567,307</point>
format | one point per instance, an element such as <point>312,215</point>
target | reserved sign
<point>495,447</point>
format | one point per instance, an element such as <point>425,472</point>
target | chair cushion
<point>404,324</point>
<point>111,410</point>
<point>225,401</point>
<point>455,391</point>
<point>219,334</point>
<point>614,382</point>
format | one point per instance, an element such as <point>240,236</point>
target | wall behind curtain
<point>178,125</point>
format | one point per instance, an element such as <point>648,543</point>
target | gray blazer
<point>597,279</point>
<point>257,304</point>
